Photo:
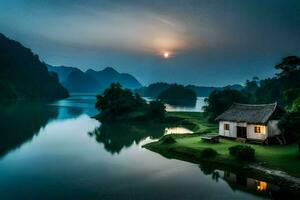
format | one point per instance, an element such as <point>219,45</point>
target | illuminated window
<point>257,129</point>
<point>226,127</point>
<point>260,129</point>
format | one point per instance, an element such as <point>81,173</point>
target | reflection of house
<point>249,184</point>
<point>254,122</point>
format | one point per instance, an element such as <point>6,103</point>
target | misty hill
<point>24,76</point>
<point>153,90</point>
<point>76,80</point>
<point>62,71</point>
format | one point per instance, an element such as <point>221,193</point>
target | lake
<point>58,151</point>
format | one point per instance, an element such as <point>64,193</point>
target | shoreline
<point>280,178</point>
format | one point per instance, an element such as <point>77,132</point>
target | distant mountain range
<point>76,80</point>
<point>155,89</point>
<point>23,76</point>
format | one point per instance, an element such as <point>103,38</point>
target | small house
<point>250,121</point>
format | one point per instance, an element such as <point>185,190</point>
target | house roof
<point>250,113</point>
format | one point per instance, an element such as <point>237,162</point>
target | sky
<point>209,42</point>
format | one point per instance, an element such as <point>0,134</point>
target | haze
<point>209,42</point>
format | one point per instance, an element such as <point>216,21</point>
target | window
<point>257,129</point>
<point>226,127</point>
<point>260,129</point>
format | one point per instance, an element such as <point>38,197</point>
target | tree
<point>290,96</point>
<point>296,105</point>
<point>117,103</point>
<point>157,109</point>
<point>219,101</point>
<point>251,88</point>
<point>288,65</point>
<point>289,125</point>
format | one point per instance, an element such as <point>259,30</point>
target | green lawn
<point>276,157</point>
<point>189,147</point>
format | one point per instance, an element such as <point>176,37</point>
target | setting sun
<point>166,54</point>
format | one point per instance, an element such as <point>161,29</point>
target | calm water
<point>59,152</point>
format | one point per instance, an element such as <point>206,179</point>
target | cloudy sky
<point>210,42</point>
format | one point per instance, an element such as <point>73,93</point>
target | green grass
<point>275,157</point>
<point>195,121</point>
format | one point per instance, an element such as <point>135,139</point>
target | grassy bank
<point>189,147</point>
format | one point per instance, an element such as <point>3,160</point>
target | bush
<point>242,152</point>
<point>208,153</point>
<point>168,140</point>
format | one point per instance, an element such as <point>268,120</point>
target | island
<point>178,95</point>
<point>118,104</point>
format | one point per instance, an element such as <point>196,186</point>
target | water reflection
<point>76,105</point>
<point>116,136</point>
<point>63,162</point>
<point>241,182</point>
<point>177,130</point>
<point>20,122</point>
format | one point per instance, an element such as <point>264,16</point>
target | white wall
<point>257,136</point>
<point>270,130</point>
<point>228,133</point>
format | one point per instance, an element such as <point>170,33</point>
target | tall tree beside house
<point>250,88</point>
<point>272,89</point>
<point>289,125</point>
<point>290,97</point>
<point>219,101</point>
<point>288,65</point>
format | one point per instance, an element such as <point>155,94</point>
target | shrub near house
<point>242,152</point>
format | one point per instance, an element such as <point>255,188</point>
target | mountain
<point>24,77</point>
<point>76,80</point>
<point>79,81</point>
<point>62,71</point>
<point>153,90</point>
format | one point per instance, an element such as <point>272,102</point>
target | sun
<point>166,54</point>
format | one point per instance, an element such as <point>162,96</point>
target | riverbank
<point>279,164</point>
<point>276,164</point>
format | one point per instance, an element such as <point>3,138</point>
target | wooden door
<point>241,132</point>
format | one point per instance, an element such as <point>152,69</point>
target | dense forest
<point>23,76</point>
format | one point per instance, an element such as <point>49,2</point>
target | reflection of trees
<point>209,169</point>
<point>116,136</point>
<point>20,122</point>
